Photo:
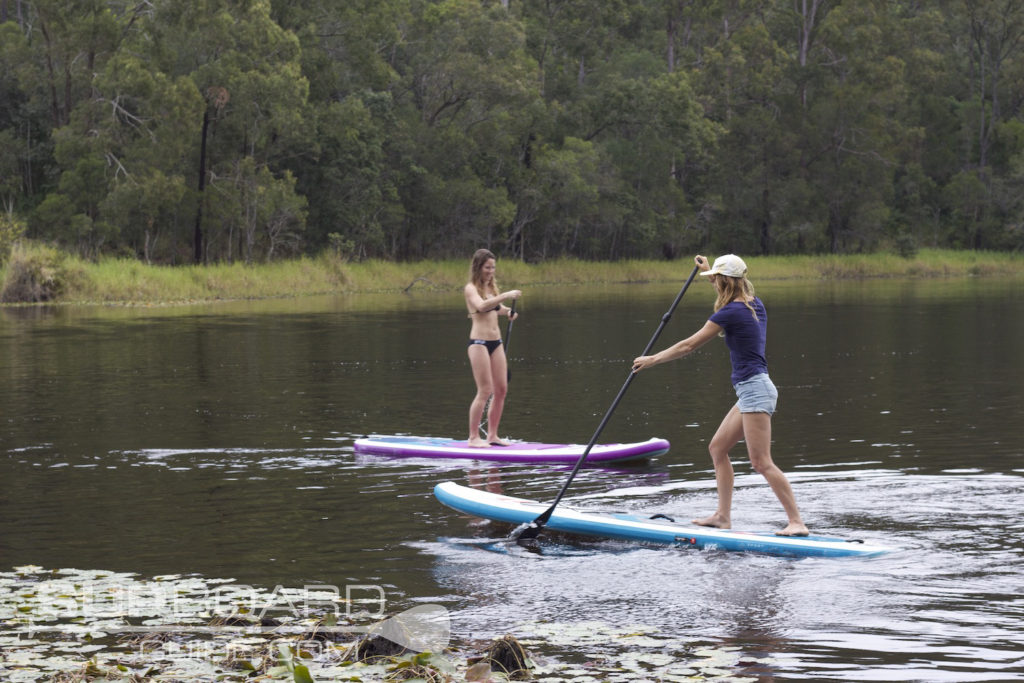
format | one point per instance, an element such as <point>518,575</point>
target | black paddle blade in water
<point>529,534</point>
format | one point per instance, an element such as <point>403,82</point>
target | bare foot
<point>715,520</point>
<point>498,441</point>
<point>477,442</point>
<point>793,529</point>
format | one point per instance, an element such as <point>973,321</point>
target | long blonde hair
<point>733,287</point>
<point>476,276</point>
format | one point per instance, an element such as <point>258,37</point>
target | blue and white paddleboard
<point>640,528</point>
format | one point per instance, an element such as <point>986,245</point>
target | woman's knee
<point>721,443</point>
<point>763,465</point>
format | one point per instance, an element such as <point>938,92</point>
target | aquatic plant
<point>79,626</point>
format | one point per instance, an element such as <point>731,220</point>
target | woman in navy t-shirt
<point>741,318</point>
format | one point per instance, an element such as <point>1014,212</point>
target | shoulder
<point>731,307</point>
<point>725,312</point>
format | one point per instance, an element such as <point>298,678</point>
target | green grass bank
<point>36,273</point>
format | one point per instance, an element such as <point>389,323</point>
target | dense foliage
<point>213,130</point>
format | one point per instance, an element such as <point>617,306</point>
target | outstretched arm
<point>679,349</point>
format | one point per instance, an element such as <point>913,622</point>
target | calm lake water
<point>216,441</point>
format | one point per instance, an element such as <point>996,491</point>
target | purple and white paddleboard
<point>519,451</point>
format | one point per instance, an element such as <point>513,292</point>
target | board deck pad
<point>642,528</point>
<point>519,451</point>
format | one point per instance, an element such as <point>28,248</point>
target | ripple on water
<point>945,606</point>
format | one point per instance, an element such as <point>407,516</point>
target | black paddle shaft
<point>531,532</point>
<point>508,369</point>
<point>508,338</point>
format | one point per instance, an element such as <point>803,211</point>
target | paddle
<point>508,370</point>
<point>531,532</point>
<point>508,338</point>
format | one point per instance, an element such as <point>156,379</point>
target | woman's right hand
<point>641,362</point>
<point>702,262</point>
<point>513,294</point>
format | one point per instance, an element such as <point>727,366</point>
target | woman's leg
<point>757,430</point>
<point>480,362</point>
<point>499,388</point>
<point>728,435</point>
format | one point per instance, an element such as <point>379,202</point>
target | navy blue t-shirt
<point>745,337</point>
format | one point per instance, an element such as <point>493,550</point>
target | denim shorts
<point>756,395</point>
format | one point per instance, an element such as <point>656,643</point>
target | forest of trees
<point>181,131</point>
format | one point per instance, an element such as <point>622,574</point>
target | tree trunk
<point>670,55</point>
<point>51,73</point>
<point>808,10</point>
<point>197,237</point>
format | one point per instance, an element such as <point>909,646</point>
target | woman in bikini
<point>486,355</point>
<point>741,318</point>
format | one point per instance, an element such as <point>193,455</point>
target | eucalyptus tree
<point>352,173</point>
<point>854,136</point>
<point>606,83</point>
<point>53,51</point>
<point>987,37</point>
<point>153,108</point>
<point>69,42</point>
<point>21,128</point>
<point>141,122</point>
<point>814,101</point>
<point>464,99</point>
<point>246,69</point>
<point>760,201</point>
<point>247,129</point>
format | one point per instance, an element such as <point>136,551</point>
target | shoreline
<point>36,274</point>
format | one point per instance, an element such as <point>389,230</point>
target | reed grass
<point>125,281</point>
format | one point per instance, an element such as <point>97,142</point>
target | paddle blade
<point>530,533</point>
<point>528,536</point>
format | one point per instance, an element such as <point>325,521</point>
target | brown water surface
<point>217,441</point>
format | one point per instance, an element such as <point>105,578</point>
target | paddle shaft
<point>508,338</point>
<point>508,370</point>
<point>535,526</point>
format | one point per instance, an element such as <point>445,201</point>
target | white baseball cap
<point>729,265</point>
